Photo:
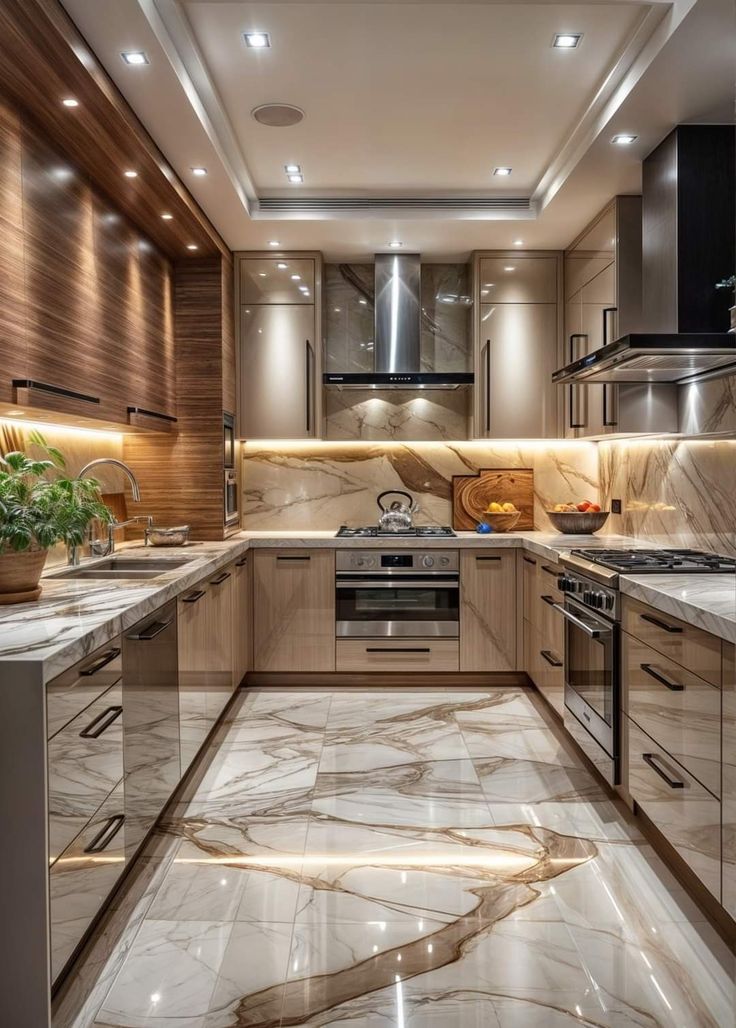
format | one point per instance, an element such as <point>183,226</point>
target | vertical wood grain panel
<point>12,298</point>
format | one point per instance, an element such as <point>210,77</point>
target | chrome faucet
<point>97,547</point>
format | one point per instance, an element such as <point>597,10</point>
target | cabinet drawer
<point>84,876</point>
<point>680,808</point>
<point>544,665</point>
<point>69,693</point>
<point>398,655</point>
<point>680,711</point>
<point>686,645</point>
<point>85,761</point>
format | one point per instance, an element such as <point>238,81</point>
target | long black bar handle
<point>672,629</point>
<point>194,597</point>
<point>220,578</point>
<point>529,560</point>
<point>673,783</point>
<point>308,365</point>
<point>488,558</point>
<point>550,571</point>
<point>398,649</point>
<point>610,417</point>
<point>101,723</point>
<point>295,557</point>
<point>488,385</point>
<point>578,394</point>
<point>154,629</point>
<point>659,677</point>
<point>550,658</point>
<point>106,834</point>
<point>102,661</point>
<point>241,563</point>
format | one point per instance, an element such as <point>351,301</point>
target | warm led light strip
<point>52,428</point>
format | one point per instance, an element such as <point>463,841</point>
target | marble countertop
<point>75,616</point>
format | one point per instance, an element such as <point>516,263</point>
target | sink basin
<point>126,568</point>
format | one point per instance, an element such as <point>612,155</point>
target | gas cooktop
<point>374,532</point>
<point>663,562</point>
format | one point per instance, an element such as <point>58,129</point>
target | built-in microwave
<point>228,430</point>
<point>231,496</point>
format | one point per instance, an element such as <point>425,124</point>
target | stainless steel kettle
<point>397,517</point>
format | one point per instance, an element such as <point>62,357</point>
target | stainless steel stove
<point>374,532</point>
<point>626,561</point>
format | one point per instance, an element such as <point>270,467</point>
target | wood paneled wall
<point>12,313</point>
<point>181,476</point>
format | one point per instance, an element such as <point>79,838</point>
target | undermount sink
<point>126,567</point>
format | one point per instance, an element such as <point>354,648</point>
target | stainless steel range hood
<point>396,351</point>
<point>688,244</point>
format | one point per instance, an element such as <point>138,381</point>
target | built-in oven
<point>402,593</point>
<point>228,439</point>
<point>592,671</point>
<point>231,496</point>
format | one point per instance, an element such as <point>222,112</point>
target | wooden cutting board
<point>471,494</point>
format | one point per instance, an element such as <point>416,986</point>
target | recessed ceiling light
<point>624,139</point>
<point>192,246</point>
<point>262,274</point>
<point>134,57</point>
<point>502,171</point>
<point>199,172</point>
<point>518,242</point>
<point>567,40</point>
<point>282,266</point>
<point>363,302</point>
<point>296,278</point>
<point>257,40</point>
<point>395,244</point>
<point>293,169</point>
<point>274,242</point>
<point>130,173</point>
<point>69,101</point>
<point>296,179</point>
<point>167,216</point>
<point>509,267</point>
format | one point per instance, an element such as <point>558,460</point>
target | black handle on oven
<point>672,629</point>
<point>673,783</point>
<point>396,583</point>
<point>659,677</point>
<point>592,633</point>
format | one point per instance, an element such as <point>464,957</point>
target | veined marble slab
<point>708,601</point>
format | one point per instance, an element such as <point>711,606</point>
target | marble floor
<point>400,858</point>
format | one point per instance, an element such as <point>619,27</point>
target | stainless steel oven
<point>403,593</point>
<point>231,496</point>
<point>228,440</point>
<point>592,670</point>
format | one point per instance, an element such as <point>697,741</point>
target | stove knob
<point>600,600</point>
<point>609,602</point>
<point>587,596</point>
<point>428,561</point>
<point>444,561</point>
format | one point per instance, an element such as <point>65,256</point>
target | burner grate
<point>682,561</point>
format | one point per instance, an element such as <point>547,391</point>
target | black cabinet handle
<point>101,723</point>
<point>24,383</point>
<point>549,570</point>
<point>549,599</point>
<point>672,629</point>
<point>550,658</point>
<point>193,597</point>
<point>102,661</point>
<point>295,557</point>
<point>308,353</point>
<point>220,578</point>
<point>529,560</point>
<point>398,649</point>
<point>659,677</point>
<point>154,629</point>
<point>488,558</point>
<point>648,758</point>
<point>241,563</point>
<point>488,385</point>
<point>578,406</point>
<point>106,834</point>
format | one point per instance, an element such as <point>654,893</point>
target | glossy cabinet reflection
<point>277,280</point>
<point>242,589</point>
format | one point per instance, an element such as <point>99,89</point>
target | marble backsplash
<point>675,492</point>
<point>324,485</point>
<point>437,414</point>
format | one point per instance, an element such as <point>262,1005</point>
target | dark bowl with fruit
<point>578,518</point>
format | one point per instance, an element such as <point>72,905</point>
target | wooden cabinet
<point>389,655</point>
<point>729,778</point>
<point>544,638</point>
<point>488,610</point>
<point>205,618</point>
<point>684,644</point>
<point>294,610</point>
<point>12,290</point>
<point>517,346</point>
<point>242,618</point>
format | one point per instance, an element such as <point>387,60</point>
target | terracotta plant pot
<point>20,574</point>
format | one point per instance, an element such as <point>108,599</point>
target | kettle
<point>397,516</point>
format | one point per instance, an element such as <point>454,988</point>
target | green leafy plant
<point>40,505</point>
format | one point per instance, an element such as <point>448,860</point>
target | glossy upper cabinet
<point>517,346</point>
<point>277,280</point>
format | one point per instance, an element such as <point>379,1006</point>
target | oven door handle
<point>590,631</point>
<point>396,583</point>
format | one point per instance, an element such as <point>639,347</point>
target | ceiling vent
<point>278,115</point>
<point>463,207</point>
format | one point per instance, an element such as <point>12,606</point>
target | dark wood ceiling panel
<point>44,59</point>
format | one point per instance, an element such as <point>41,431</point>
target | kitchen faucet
<point>97,547</point>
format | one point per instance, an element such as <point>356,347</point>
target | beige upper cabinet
<point>294,611</point>
<point>518,279</point>
<point>277,280</point>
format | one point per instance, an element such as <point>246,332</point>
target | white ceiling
<point>416,99</point>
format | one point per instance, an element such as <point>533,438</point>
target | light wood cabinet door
<point>683,643</point>
<point>376,655</point>
<point>294,610</point>
<point>488,611</point>
<point>518,354</point>
<point>729,778</point>
<point>242,618</point>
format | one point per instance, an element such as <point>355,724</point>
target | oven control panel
<point>397,560</point>
<point>589,593</point>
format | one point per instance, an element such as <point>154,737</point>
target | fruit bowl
<point>579,522</point>
<point>502,522</point>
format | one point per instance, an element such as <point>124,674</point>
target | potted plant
<point>730,283</point>
<point>39,507</point>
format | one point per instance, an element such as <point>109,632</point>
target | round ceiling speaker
<point>278,115</point>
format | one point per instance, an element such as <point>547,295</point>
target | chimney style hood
<point>396,350</point>
<point>688,244</point>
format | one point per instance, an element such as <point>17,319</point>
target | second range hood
<point>396,350</point>
<point>688,244</point>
